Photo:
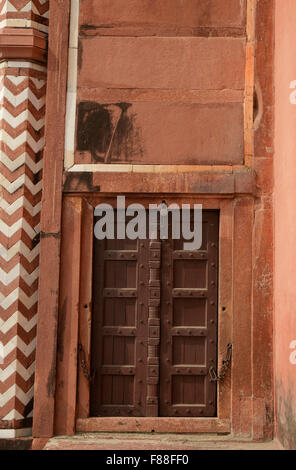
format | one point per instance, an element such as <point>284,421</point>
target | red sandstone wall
<point>213,84</point>
<point>180,64</point>
<point>285,221</point>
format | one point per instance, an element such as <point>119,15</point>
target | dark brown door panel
<point>119,346</point>
<point>189,324</point>
<point>146,360</point>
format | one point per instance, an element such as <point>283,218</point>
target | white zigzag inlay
<point>21,224</point>
<point>23,180</point>
<point>30,6</point>
<point>17,367</point>
<point>20,118</point>
<point>24,138</point>
<point>16,81</point>
<point>35,10</point>
<point>25,95</point>
<point>19,294</point>
<point>19,249</point>
<point>16,205</point>
<point>16,391</point>
<point>18,319</point>
<point>9,7</point>
<point>14,414</point>
<point>16,272</point>
<point>23,159</point>
<point>17,343</point>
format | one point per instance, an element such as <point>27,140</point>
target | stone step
<point>133,441</point>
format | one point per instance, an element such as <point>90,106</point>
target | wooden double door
<point>154,328</point>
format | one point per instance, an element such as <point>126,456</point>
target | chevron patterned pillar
<point>23,30</point>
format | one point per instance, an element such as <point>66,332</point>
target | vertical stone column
<point>23,43</point>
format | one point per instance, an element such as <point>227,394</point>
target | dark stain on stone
<point>79,182</point>
<point>50,235</point>
<point>29,407</point>
<point>51,379</point>
<point>84,28</point>
<point>79,57</point>
<point>108,131</point>
<point>286,415</point>
<point>36,240</point>
<point>37,177</point>
<point>89,31</point>
<point>269,414</point>
<point>61,330</point>
<point>94,129</point>
<point>255,105</point>
<point>39,156</point>
<point>16,444</point>
<point>212,32</point>
<point>126,137</point>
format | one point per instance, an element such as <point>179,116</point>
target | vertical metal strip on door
<point>153,329</point>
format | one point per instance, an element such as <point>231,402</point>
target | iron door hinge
<point>225,366</point>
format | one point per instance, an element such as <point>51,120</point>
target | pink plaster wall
<point>285,221</point>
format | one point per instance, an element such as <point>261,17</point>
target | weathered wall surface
<point>174,88</point>
<point>263,244</point>
<point>285,222</point>
<point>167,85</point>
<point>164,88</point>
